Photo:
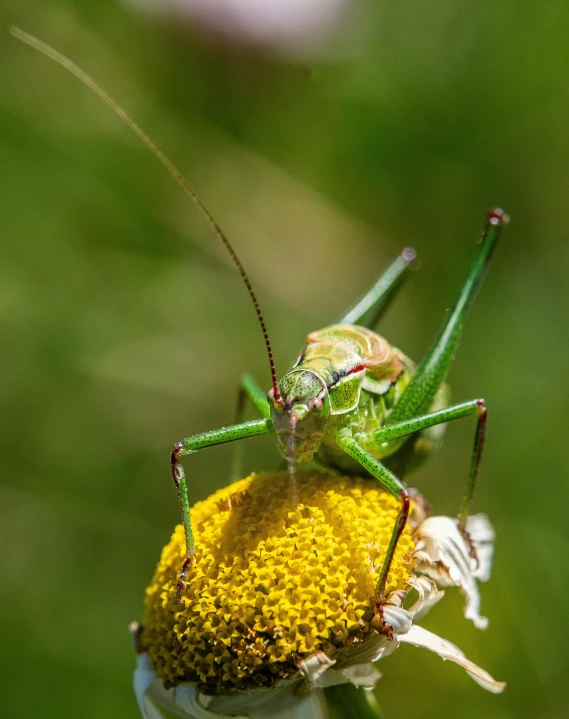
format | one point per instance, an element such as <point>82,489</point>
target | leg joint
<point>176,468</point>
<point>177,451</point>
<point>481,407</point>
<point>405,497</point>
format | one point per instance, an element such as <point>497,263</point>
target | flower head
<point>279,598</point>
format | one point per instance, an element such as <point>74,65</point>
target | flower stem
<point>345,701</point>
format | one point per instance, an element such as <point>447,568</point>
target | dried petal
<point>313,667</point>
<point>429,595</point>
<point>419,637</point>
<point>443,554</point>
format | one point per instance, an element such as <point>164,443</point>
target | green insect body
<point>357,376</point>
<point>352,401</point>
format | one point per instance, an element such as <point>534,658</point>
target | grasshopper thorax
<point>300,419</point>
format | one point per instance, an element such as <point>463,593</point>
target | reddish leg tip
<point>174,457</point>
<point>497,216</point>
<point>182,576</point>
<point>386,629</point>
<point>482,409</point>
<point>472,553</point>
<point>178,447</point>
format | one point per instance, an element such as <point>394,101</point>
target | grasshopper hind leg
<point>369,310</point>
<point>395,487</point>
<point>420,445</point>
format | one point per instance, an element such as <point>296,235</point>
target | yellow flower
<point>279,597</point>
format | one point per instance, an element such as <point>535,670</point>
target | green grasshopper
<point>354,402</point>
<point>351,402</point>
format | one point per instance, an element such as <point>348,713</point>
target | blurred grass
<point>123,328</point>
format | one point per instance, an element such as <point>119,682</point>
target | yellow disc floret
<point>271,583</point>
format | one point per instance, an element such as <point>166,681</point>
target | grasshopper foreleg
<point>411,426</point>
<point>179,479</point>
<point>408,427</point>
<point>359,449</point>
<point>393,485</point>
<point>189,446</point>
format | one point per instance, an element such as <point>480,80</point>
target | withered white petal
<point>189,699</point>
<point>482,535</point>
<point>290,701</point>
<point>362,675</point>
<point>144,678</point>
<point>313,707</point>
<point>429,595</point>
<point>398,618</point>
<point>442,553</point>
<point>419,637</point>
<point>313,667</point>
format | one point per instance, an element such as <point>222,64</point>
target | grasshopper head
<point>300,419</point>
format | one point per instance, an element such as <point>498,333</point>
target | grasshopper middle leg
<point>360,449</point>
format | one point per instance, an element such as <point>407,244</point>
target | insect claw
<point>182,576</point>
<point>472,553</point>
<point>497,216</point>
<point>180,586</point>
<point>386,629</point>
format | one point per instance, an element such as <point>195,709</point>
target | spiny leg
<point>248,390</point>
<point>374,303</point>
<point>388,480</point>
<point>392,432</point>
<point>479,438</point>
<point>432,371</point>
<point>179,479</point>
<point>189,446</point>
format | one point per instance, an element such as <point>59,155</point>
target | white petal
<point>420,508</point>
<point>361,675</point>
<point>281,702</point>
<point>419,637</point>
<point>399,619</point>
<point>313,707</point>
<point>482,535</point>
<point>144,677</point>
<point>189,699</point>
<point>313,667</point>
<point>442,553</point>
<point>429,595</point>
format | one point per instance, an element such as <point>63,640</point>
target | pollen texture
<point>271,584</point>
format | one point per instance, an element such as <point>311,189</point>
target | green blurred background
<point>124,328</point>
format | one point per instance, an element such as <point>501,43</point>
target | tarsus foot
<point>472,553</point>
<point>183,575</point>
<point>386,629</point>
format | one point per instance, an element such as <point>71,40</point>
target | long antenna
<point>65,62</point>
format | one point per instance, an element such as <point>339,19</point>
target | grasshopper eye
<point>315,404</point>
